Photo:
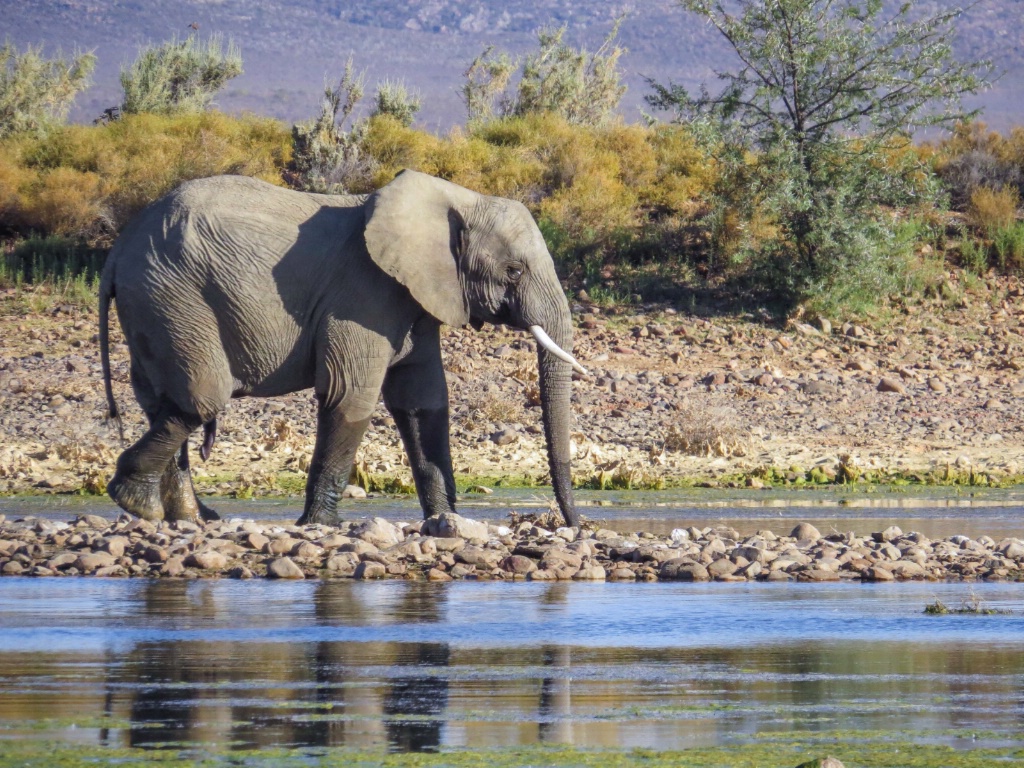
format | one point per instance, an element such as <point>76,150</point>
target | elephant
<point>231,287</point>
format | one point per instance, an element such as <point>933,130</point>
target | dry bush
<point>704,431</point>
<point>90,180</point>
<point>975,157</point>
<point>992,210</point>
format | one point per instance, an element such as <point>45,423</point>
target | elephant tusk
<point>545,341</point>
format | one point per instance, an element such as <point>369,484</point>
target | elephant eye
<point>514,273</point>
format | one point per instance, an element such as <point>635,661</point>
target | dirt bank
<point>928,388</point>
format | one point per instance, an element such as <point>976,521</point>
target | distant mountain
<point>290,46</point>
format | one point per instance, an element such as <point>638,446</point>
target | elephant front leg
<point>417,395</point>
<point>337,439</point>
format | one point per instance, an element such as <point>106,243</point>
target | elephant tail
<point>106,294</point>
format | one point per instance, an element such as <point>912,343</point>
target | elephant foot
<point>320,514</point>
<point>137,497</point>
<point>178,499</point>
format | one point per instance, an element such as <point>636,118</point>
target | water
<point>419,666</point>
<point>934,512</point>
<point>416,666</point>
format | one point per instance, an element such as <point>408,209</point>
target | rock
<point>370,570</point>
<point>817,574</point>
<point>822,762</point>
<point>353,492</point>
<point>722,567</point>
<point>682,569</point>
<point>12,568</point>
<point>887,384</point>
<point>255,541</point>
<point>281,546</point>
<point>436,574</point>
<point>504,436</point>
<point>890,533</point>
<point>479,489</point>
<point>379,532</point>
<point>89,562</point>
<point>590,573</point>
<point>451,525</point>
<point>936,385</point>
<point>343,563</point>
<point>518,564</point>
<point>115,545</point>
<point>207,559</point>
<point>478,556</point>
<point>876,573</point>
<point>284,568</point>
<point>307,550</point>
<point>805,532</point>
<point>175,566</point>
<point>240,572</point>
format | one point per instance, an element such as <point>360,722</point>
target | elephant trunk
<point>555,391</point>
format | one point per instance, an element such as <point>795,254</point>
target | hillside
<point>289,46</point>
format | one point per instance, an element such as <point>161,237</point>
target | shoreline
<point>451,547</point>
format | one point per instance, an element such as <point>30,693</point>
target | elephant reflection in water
<point>189,691</point>
<point>378,712</point>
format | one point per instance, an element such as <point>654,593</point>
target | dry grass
<point>704,431</point>
<point>992,210</point>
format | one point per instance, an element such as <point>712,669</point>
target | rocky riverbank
<point>450,547</point>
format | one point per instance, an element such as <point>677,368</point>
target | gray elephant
<point>230,286</point>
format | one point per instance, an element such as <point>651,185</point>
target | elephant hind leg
<point>138,485</point>
<point>177,493</point>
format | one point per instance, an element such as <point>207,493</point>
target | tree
<point>36,92</point>
<point>179,76</point>
<point>825,95</point>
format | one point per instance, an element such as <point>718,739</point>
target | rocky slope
<point>924,389</point>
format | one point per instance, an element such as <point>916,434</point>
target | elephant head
<point>470,258</point>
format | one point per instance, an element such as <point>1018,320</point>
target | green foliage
<point>35,92</point>
<point>326,158</point>
<point>51,259</point>
<point>583,88</point>
<point>807,130</point>
<point>395,100</point>
<point>179,77</point>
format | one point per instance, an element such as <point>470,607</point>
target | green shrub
<point>36,93</point>
<point>395,100</point>
<point>178,77</point>
<point>326,158</point>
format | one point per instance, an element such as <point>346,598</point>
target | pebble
<point>451,547</point>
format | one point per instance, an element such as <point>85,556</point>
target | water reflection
<point>418,666</point>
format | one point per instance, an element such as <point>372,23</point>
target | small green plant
<point>180,76</point>
<point>36,92</point>
<point>53,259</point>
<point>1008,243</point>
<point>973,255</point>
<point>972,605</point>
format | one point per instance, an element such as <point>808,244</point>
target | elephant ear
<point>413,230</point>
